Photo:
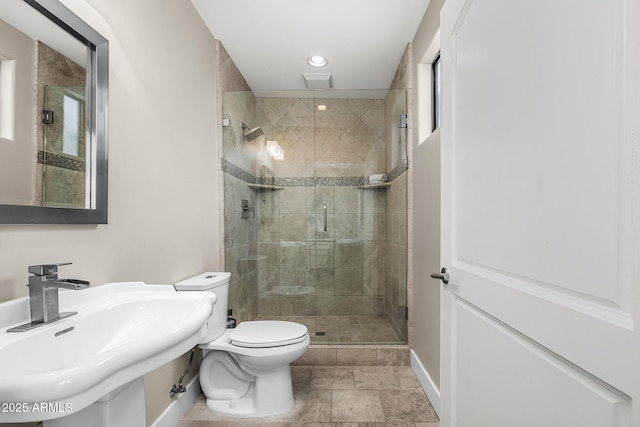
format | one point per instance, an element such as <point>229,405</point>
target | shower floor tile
<point>344,329</point>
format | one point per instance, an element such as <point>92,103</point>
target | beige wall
<point>163,210</point>
<point>425,229</point>
<point>18,155</point>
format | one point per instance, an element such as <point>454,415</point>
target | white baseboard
<point>176,410</point>
<point>433,394</point>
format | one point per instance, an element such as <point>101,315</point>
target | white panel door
<point>540,223</point>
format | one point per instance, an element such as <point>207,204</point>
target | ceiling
<point>270,40</point>
<point>34,24</point>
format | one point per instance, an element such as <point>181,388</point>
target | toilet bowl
<point>245,371</point>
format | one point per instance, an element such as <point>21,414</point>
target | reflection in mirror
<point>61,161</point>
<point>53,106</point>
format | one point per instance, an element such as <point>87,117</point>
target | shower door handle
<point>324,210</point>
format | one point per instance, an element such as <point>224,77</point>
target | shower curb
<point>355,355</point>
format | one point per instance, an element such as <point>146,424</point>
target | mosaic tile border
<point>59,161</point>
<point>238,172</point>
<point>318,181</point>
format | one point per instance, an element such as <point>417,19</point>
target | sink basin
<point>121,332</point>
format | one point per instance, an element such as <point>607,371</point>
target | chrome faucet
<point>43,295</point>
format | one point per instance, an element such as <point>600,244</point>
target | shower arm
<point>251,134</point>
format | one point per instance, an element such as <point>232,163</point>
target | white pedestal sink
<point>90,365</point>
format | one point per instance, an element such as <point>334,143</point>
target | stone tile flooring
<point>344,329</point>
<point>348,396</point>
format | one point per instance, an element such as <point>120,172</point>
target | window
<point>7,98</point>
<point>436,98</point>
<point>71,126</point>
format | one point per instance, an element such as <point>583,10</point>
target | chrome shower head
<point>251,134</point>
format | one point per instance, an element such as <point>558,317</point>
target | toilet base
<point>255,394</point>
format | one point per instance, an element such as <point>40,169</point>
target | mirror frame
<point>97,120</point>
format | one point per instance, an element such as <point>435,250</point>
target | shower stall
<point>61,166</point>
<point>307,236</point>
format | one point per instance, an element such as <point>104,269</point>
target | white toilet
<point>245,371</point>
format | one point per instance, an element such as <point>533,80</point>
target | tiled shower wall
<point>305,270</point>
<point>240,246</point>
<point>345,140</point>
<point>311,271</point>
<point>240,249</point>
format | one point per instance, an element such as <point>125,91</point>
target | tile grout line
<point>331,407</point>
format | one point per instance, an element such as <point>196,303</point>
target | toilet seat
<point>267,333</point>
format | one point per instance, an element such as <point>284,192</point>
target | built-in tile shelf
<point>380,185</point>
<point>265,187</point>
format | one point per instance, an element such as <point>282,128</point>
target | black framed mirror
<point>53,116</point>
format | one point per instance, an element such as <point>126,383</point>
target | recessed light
<point>317,61</point>
<point>322,107</point>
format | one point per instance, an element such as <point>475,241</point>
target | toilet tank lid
<point>203,282</point>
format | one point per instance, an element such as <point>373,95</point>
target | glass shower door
<point>324,248</point>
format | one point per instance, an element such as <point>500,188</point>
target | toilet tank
<point>218,283</point>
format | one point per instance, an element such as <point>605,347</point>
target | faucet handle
<point>46,269</point>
